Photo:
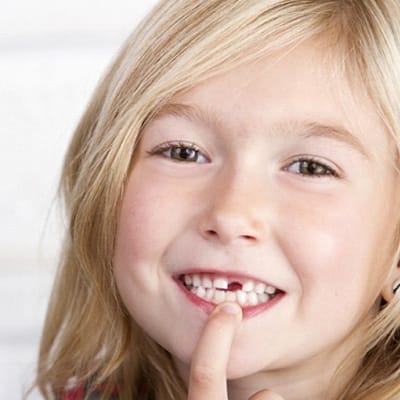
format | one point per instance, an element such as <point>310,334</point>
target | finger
<point>266,395</point>
<point>210,358</point>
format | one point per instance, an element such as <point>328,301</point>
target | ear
<point>392,281</point>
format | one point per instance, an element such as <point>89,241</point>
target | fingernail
<point>229,308</point>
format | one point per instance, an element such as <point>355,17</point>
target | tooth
<point>230,296</point>
<point>209,294</point>
<point>196,281</point>
<point>194,290</point>
<point>241,297</point>
<point>188,280</point>
<point>201,292</point>
<point>248,286</point>
<point>220,283</point>
<point>252,298</point>
<point>207,282</point>
<point>260,288</point>
<point>219,296</point>
<point>270,290</point>
<point>263,297</point>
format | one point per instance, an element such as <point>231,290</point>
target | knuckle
<point>203,375</point>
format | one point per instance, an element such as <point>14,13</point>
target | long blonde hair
<point>88,337</point>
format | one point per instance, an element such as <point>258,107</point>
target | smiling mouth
<point>217,289</point>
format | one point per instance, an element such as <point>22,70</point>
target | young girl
<point>232,198</point>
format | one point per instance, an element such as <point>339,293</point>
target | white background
<point>52,54</point>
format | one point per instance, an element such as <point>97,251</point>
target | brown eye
<point>180,152</point>
<point>311,168</point>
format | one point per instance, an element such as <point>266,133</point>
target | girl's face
<point>270,181</point>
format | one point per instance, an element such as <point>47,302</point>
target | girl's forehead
<point>303,84</point>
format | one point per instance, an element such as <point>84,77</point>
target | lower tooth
<point>252,298</point>
<point>219,296</point>
<point>263,297</point>
<point>230,296</point>
<point>241,297</point>
<point>209,294</point>
<point>201,292</point>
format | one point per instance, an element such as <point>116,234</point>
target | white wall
<point>51,56</point>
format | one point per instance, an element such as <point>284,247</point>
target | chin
<point>239,369</point>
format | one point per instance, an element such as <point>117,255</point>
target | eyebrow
<point>190,113</point>
<point>303,128</point>
<point>338,133</point>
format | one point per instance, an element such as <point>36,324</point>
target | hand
<point>208,370</point>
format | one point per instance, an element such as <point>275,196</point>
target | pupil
<point>184,153</point>
<point>311,168</point>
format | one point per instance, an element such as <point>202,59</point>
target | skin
<point>244,206</point>
<point>208,379</point>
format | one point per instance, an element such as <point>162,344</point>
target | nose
<point>237,211</point>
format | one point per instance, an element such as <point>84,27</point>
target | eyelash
<point>309,162</point>
<point>166,149</point>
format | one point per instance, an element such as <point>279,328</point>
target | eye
<point>311,167</point>
<point>180,152</point>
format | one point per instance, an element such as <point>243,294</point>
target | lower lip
<point>207,307</point>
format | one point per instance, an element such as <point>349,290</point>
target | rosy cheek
<point>145,219</point>
<point>324,242</point>
<point>335,256</point>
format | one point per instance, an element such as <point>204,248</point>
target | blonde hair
<point>88,337</point>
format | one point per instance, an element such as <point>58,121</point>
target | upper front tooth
<point>207,282</point>
<point>220,283</point>
<point>248,286</point>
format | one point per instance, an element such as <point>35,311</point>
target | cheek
<point>336,248</point>
<point>145,221</point>
<point>156,208</point>
<point>153,215</point>
<point>136,242</point>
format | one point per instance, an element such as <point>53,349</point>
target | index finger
<point>210,359</point>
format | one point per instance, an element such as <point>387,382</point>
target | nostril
<point>248,237</point>
<point>215,234</point>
